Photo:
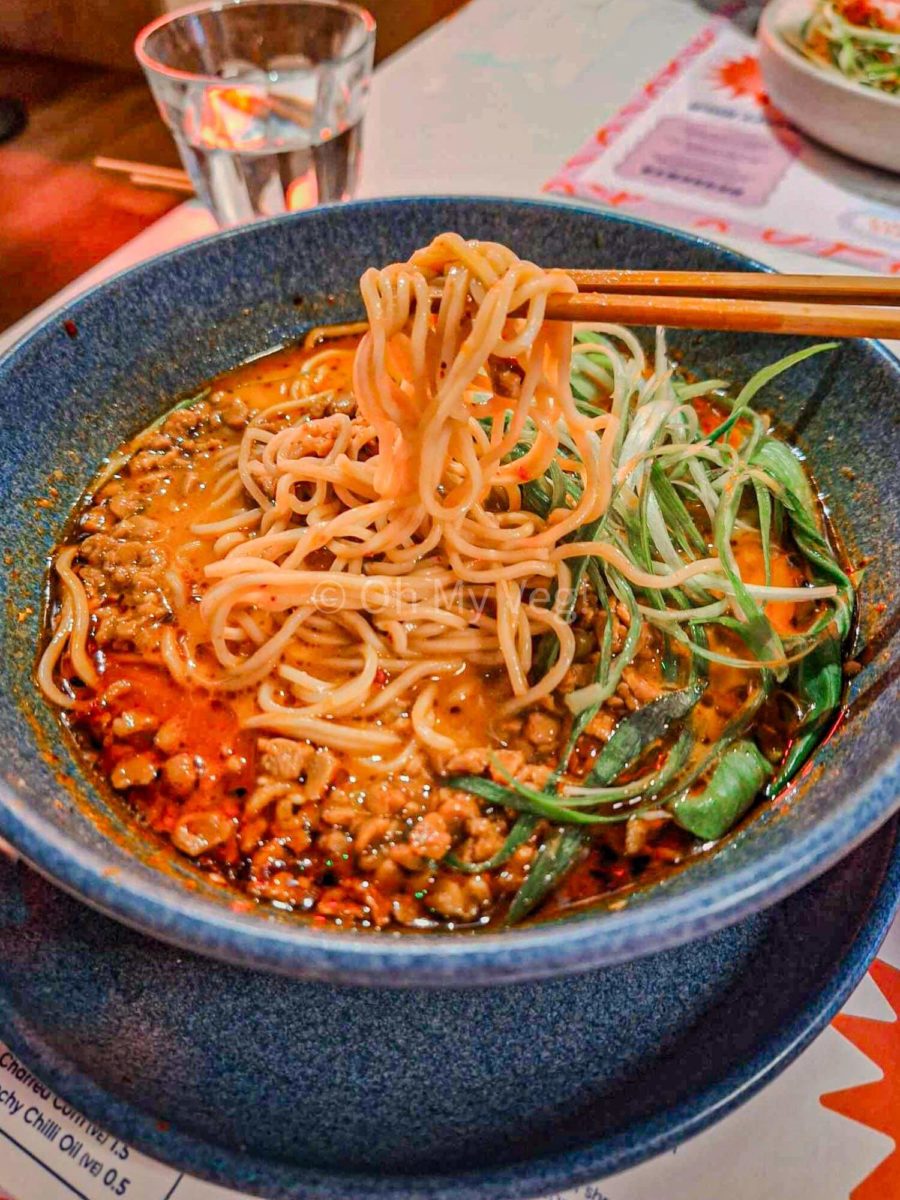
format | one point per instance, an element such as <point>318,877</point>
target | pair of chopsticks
<point>169,179</point>
<point>745,301</point>
<point>741,301</point>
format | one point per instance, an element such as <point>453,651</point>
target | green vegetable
<point>520,833</point>
<point>542,496</point>
<point>647,786</point>
<point>758,633</point>
<point>548,646</point>
<point>525,799</point>
<point>555,859</point>
<point>522,798</point>
<point>864,53</point>
<point>731,790</point>
<point>818,682</point>
<point>604,659</point>
<point>796,495</point>
<point>764,506</point>
<point>609,673</point>
<point>759,380</point>
<point>677,518</point>
<point>735,729</point>
<point>676,497</point>
<point>638,731</point>
<point>558,485</point>
<point>557,856</point>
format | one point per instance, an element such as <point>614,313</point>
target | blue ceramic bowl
<point>107,364</point>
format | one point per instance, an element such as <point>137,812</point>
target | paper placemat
<point>702,148</point>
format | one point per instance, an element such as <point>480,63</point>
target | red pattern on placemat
<point>742,78</point>
<point>876,1104</point>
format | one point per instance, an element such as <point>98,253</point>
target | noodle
<point>440,459</point>
<point>80,618</point>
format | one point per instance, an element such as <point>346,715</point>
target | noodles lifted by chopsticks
<point>416,502</point>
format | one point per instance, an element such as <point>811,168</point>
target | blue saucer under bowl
<point>105,366</point>
<point>310,1091</point>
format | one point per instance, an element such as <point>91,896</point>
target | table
<point>503,91</point>
<point>531,65</point>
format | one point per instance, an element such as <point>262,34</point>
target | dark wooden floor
<point>58,214</point>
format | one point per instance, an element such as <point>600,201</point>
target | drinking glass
<point>265,99</point>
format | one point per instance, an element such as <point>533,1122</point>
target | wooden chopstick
<point>744,285</point>
<point>746,316</point>
<point>162,183</point>
<point>145,171</point>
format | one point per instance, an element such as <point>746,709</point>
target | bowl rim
<point>176,915</point>
<point>770,36</point>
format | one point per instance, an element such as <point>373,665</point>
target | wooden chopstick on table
<point>155,181</point>
<point>142,174</point>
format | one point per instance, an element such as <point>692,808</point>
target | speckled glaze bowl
<point>106,365</point>
<point>397,1066</point>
